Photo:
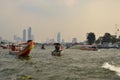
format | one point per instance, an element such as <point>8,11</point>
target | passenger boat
<point>88,47</point>
<point>24,51</point>
<point>5,46</point>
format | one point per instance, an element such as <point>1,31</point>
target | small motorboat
<point>55,53</point>
<point>5,46</point>
<point>25,51</point>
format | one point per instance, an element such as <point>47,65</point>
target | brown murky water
<point>75,64</point>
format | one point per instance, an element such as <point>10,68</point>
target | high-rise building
<point>58,37</point>
<point>24,35</point>
<point>74,40</point>
<point>29,33</point>
<point>32,37</point>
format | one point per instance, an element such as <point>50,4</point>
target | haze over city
<point>73,18</point>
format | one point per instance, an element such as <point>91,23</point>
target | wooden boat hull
<point>89,49</point>
<point>54,53</point>
<point>5,47</point>
<point>14,52</point>
<point>26,57</point>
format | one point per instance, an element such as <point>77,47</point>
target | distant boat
<point>4,46</point>
<point>88,47</point>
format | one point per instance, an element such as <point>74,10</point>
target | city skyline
<point>73,18</point>
<point>26,35</point>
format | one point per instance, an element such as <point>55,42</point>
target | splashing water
<point>106,65</point>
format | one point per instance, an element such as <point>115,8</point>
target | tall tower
<point>63,41</point>
<point>24,35</point>
<point>74,40</point>
<point>32,37</point>
<point>58,37</point>
<point>29,33</point>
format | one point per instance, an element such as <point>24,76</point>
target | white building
<point>32,37</point>
<point>59,37</point>
<point>29,33</point>
<point>24,35</point>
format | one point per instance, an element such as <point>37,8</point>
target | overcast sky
<point>73,18</point>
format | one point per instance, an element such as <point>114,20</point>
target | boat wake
<point>106,65</point>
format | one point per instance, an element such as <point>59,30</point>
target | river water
<point>75,64</point>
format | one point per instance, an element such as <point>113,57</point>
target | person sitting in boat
<point>61,47</point>
<point>27,49</point>
<point>13,48</point>
<point>43,46</point>
<point>58,47</point>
